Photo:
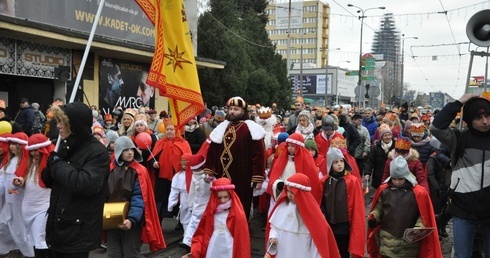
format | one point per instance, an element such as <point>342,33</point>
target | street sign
<point>367,68</point>
<point>352,73</point>
<point>368,78</point>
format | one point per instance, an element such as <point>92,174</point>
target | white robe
<point>34,208</point>
<point>198,200</point>
<point>293,238</point>
<point>12,227</point>
<point>289,170</point>
<point>221,242</point>
<point>179,192</point>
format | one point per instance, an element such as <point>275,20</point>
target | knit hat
<point>35,106</point>
<point>403,145</point>
<point>196,161</point>
<point>98,130</point>
<point>334,154</point>
<point>310,144</point>
<point>110,136</point>
<point>95,113</point>
<point>328,123</point>
<point>116,112</point>
<point>141,122</point>
<point>296,138</point>
<point>305,113</point>
<point>417,129</point>
<point>383,129</point>
<point>130,112</point>
<point>474,108</point>
<point>107,117</point>
<point>399,169</point>
<point>282,137</point>
<point>124,143</point>
<point>152,112</point>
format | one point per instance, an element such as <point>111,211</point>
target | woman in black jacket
<point>375,162</point>
<point>77,175</point>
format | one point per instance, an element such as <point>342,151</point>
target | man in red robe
<point>237,152</point>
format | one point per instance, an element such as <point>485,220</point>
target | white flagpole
<point>84,60</point>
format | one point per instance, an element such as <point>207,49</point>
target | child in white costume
<point>12,227</point>
<point>179,190</point>
<point>36,195</point>
<point>198,197</point>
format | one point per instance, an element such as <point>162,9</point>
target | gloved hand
<point>280,186</point>
<point>372,222</point>
<point>53,158</point>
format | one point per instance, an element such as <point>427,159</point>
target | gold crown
<point>417,128</point>
<point>403,144</point>
<point>264,112</point>
<point>339,143</point>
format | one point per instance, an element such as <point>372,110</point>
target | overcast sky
<point>435,67</point>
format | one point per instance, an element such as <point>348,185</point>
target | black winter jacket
<point>375,163</point>
<point>78,180</point>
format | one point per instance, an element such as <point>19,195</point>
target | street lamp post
<point>403,56</point>
<point>361,18</point>
<point>337,81</point>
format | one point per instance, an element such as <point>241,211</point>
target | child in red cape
<point>129,181</point>
<point>296,227</point>
<point>223,229</point>
<point>398,205</point>
<point>343,205</point>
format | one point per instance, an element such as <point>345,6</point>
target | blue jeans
<point>464,233</point>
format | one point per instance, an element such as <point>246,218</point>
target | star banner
<point>173,69</point>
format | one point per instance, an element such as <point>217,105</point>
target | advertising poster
<point>122,83</point>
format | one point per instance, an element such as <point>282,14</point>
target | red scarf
<point>236,223</point>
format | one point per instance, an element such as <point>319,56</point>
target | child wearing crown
<point>403,148</point>
<point>421,142</point>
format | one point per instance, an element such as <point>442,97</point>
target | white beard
<point>267,124</point>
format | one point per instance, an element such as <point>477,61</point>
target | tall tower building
<point>309,25</point>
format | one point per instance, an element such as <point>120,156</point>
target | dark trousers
<point>343,245</point>
<point>162,191</point>
<point>55,254</point>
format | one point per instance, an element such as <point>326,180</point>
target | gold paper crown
<point>264,112</point>
<point>339,143</point>
<point>403,144</point>
<point>417,128</point>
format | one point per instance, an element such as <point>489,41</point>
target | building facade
<point>309,30</point>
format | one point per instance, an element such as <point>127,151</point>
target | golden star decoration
<point>176,58</point>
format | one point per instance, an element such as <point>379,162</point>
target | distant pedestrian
<point>39,119</point>
<point>25,116</point>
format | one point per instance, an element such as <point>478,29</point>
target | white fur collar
<point>256,131</point>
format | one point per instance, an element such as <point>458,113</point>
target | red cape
<point>236,222</point>
<point>324,144</point>
<point>303,162</point>
<point>312,216</point>
<point>357,214</point>
<point>170,152</point>
<point>151,232</point>
<point>430,246</point>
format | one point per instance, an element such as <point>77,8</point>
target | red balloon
<point>143,140</point>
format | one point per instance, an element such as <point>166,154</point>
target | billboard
<point>282,15</point>
<point>436,99</point>
<point>29,59</point>
<point>120,19</point>
<point>123,83</point>
<point>312,83</point>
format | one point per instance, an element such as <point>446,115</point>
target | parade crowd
<point>308,172</point>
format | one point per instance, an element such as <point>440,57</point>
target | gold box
<point>114,214</point>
